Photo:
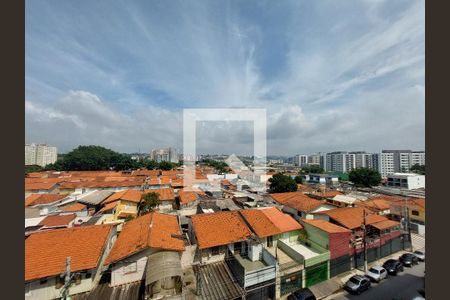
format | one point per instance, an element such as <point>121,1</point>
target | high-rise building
<point>166,154</point>
<point>399,161</point>
<point>314,159</point>
<point>301,160</point>
<point>40,154</point>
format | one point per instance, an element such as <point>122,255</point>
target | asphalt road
<point>401,287</point>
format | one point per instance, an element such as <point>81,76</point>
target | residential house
<point>41,188</point>
<point>46,259</point>
<point>166,198</point>
<point>334,238</point>
<point>299,205</point>
<point>42,199</point>
<point>149,249</point>
<point>383,236</point>
<point>414,208</point>
<point>57,221</point>
<point>74,208</point>
<point>377,205</point>
<point>121,205</point>
<point>224,240</point>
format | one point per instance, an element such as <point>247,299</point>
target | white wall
<point>130,269</point>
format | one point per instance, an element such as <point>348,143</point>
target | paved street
<point>404,286</point>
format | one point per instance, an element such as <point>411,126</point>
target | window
<point>415,213</point>
<point>43,281</point>
<point>269,241</point>
<point>130,268</point>
<point>215,250</point>
<point>88,275</point>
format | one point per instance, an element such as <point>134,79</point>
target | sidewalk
<point>342,278</point>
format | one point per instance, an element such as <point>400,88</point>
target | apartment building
<point>40,154</point>
<point>301,160</point>
<point>166,154</point>
<point>397,161</point>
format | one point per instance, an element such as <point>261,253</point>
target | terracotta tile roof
<point>375,204</point>
<point>352,217</point>
<point>74,207</point>
<point>100,184</point>
<point>153,181</point>
<point>326,226</point>
<point>164,179</point>
<point>304,188</point>
<point>35,199</point>
<point>40,186</point>
<point>153,230</point>
<point>58,220</point>
<point>177,183</point>
<point>127,195</point>
<point>46,252</point>
<point>147,173</point>
<point>109,206</point>
<point>171,173</point>
<point>328,194</point>
<point>225,182</point>
<point>385,224</point>
<point>220,228</point>
<point>165,194</point>
<point>411,202</point>
<point>269,221</point>
<point>297,200</point>
<point>44,180</point>
<point>187,196</point>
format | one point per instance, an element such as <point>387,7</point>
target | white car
<point>420,255</point>
<point>377,273</point>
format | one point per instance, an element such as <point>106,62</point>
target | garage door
<point>291,282</point>
<point>340,265</point>
<point>316,273</point>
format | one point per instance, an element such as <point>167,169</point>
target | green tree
<point>166,165</point>
<point>280,183</point>
<point>312,169</point>
<point>152,165</point>
<point>298,179</point>
<point>418,169</point>
<point>148,203</point>
<point>32,168</point>
<point>364,177</point>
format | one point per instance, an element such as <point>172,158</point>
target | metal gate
<point>316,273</point>
<point>373,254</point>
<point>291,282</point>
<point>340,265</point>
<point>385,250</point>
<point>396,244</point>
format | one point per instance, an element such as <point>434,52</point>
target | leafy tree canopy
<point>32,168</point>
<point>364,177</point>
<point>418,169</point>
<point>298,179</point>
<point>311,169</point>
<point>280,183</point>
<point>149,202</point>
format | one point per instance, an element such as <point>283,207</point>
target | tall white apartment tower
<point>40,154</point>
<point>301,160</point>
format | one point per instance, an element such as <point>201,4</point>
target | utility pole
<point>67,279</point>
<point>364,241</point>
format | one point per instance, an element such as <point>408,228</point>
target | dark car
<point>357,284</point>
<point>393,266</point>
<point>302,294</point>
<point>409,259</point>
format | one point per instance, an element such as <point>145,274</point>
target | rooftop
<point>46,252</point>
<point>220,228</point>
<point>58,220</point>
<point>153,230</point>
<point>297,200</point>
<point>352,217</point>
<point>326,226</point>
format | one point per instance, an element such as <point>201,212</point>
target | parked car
<point>357,284</point>
<point>302,294</point>
<point>377,273</point>
<point>420,255</point>
<point>393,266</point>
<point>408,259</point>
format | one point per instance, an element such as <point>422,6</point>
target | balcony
<point>250,272</point>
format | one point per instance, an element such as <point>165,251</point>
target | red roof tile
<point>269,221</point>
<point>152,230</point>
<point>46,252</point>
<point>74,207</point>
<point>326,226</point>
<point>165,194</point>
<point>352,217</point>
<point>220,228</point>
<point>40,186</point>
<point>35,199</point>
<point>58,220</point>
<point>127,195</point>
<point>385,224</point>
<point>297,200</point>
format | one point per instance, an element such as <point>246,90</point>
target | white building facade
<point>40,154</point>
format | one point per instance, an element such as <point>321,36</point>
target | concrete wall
<point>130,269</point>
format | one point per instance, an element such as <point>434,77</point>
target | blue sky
<point>333,75</point>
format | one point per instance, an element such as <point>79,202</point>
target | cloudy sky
<point>332,75</point>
